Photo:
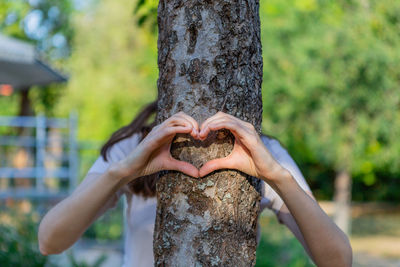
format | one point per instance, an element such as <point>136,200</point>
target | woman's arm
<point>327,244</point>
<point>286,218</point>
<point>66,222</point>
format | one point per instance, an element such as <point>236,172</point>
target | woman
<point>135,153</point>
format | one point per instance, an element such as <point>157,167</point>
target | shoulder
<point>128,142</point>
<point>282,156</point>
<point>274,146</point>
<point>117,152</point>
<point>120,149</point>
<point>278,151</point>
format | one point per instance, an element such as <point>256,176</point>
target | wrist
<point>279,178</point>
<point>118,172</point>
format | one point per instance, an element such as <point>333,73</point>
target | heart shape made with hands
<point>217,144</point>
<point>223,142</point>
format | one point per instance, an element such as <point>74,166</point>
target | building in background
<point>38,155</point>
<point>21,68</point>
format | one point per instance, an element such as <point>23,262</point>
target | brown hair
<point>145,186</point>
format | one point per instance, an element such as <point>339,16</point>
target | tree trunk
<point>25,105</point>
<point>209,60</point>
<point>343,201</point>
<point>24,157</point>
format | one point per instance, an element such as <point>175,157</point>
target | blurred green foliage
<point>113,69</point>
<point>97,263</point>
<point>109,227</point>
<point>45,23</point>
<point>330,90</point>
<point>278,246</point>
<point>331,82</point>
<point>18,240</point>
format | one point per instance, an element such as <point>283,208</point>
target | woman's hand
<point>327,244</point>
<point>153,152</point>
<point>249,153</point>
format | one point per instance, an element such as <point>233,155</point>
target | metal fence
<point>38,156</point>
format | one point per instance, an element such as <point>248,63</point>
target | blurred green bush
<point>19,243</point>
<point>278,246</point>
<point>18,240</point>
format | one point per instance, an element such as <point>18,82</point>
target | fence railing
<point>38,156</point>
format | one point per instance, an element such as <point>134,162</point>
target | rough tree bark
<point>209,60</point>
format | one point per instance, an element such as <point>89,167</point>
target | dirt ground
<point>366,260</point>
<point>375,234</point>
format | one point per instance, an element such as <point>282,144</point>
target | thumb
<point>184,167</point>
<point>216,164</point>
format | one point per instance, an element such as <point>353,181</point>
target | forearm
<point>287,219</point>
<point>328,245</point>
<point>63,225</point>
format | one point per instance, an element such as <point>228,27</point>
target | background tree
<point>209,60</point>
<point>331,69</point>
<point>47,25</point>
<point>113,69</point>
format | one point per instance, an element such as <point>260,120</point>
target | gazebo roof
<point>21,67</point>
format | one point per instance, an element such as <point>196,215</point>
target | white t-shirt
<point>140,213</point>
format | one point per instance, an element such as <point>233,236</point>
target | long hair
<point>146,185</point>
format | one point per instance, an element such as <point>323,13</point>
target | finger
<point>183,167</point>
<point>216,164</point>
<point>205,123</point>
<point>177,129</point>
<point>222,115</point>
<point>176,121</point>
<point>205,130</point>
<point>165,134</point>
<point>247,136</point>
<point>195,131</point>
<point>182,115</point>
<point>182,118</point>
<point>237,129</point>
<point>189,118</point>
<point>232,126</point>
<point>217,117</point>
